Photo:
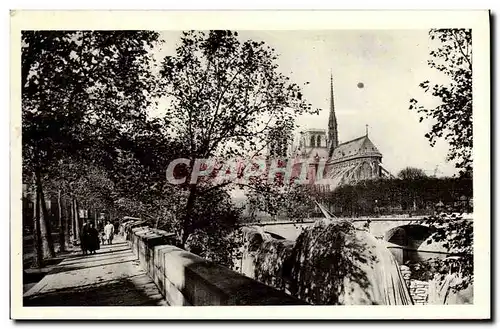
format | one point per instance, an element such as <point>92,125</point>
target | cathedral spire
<point>333,140</point>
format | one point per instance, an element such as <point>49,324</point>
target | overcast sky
<point>390,64</point>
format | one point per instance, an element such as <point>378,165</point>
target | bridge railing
<point>276,221</point>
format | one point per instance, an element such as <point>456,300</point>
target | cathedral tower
<point>333,139</point>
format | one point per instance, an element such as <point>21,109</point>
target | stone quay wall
<point>185,279</point>
<point>419,290</point>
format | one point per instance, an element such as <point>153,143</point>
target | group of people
<point>90,240</point>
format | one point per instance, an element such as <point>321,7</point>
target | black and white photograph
<point>286,169</point>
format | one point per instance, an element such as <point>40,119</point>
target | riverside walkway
<point>111,277</point>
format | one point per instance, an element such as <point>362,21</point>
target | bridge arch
<point>412,243</point>
<point>410,235</point>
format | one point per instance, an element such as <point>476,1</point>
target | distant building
<point>347,162</point>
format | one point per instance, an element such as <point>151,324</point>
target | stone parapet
<point>186,279</point>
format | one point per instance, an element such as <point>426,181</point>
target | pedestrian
<point>116,224</point>
<point>92,238</point>
<point>84,238</point>
<point>109,231</point>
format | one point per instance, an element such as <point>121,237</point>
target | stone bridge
<point>408,237</point>
<point>379,227</point>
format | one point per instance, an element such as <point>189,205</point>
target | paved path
<point>111,277</point>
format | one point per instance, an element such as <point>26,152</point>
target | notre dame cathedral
<point>344,163</point>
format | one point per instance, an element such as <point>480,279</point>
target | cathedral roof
<point>361,146</point>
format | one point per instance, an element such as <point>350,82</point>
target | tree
<point>456,234</point>
<point>225,95</point>
<point>37,236</point>
<point>138,175</point>
<point>81,90</point>
<point>452,118</point>
<point>411,173</point>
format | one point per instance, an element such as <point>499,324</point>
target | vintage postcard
<point>261,164</point>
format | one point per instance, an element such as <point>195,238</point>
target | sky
<point>389,63</point>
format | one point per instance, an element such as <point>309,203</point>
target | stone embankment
<point>186,279</point>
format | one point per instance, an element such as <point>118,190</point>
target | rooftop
<point>356,147</point>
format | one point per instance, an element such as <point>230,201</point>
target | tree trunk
<point>62,229</point>
<point>67,222</point>
<point>47,243</point>
<point>72,219</point>
<point>37,239</point>
<point>187,222</point>
<point>77,221</point>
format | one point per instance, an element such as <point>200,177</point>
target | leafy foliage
<point>225,96</point>
<point>458,236</point>
<point>411,173</point>
<point>274,263</point>
<point>87,132</point>
<point>80,88</point>
<point>284,201</point>
<point>80,91</point>
<point>453,121</point>
<point>215,235</point>
<point>452,118</point>
<point>324,258</point>
<point>394,196</point>
<point>331,263</point>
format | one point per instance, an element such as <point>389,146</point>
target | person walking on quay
<point>109,231</point>
<point>92,238</point>
<point>84,238</point>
